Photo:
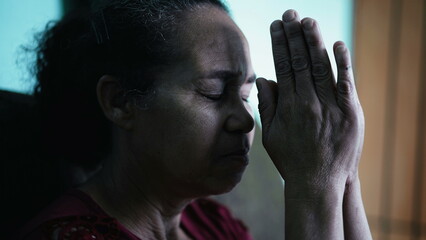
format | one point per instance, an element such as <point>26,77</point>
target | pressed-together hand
<point>313,130</point>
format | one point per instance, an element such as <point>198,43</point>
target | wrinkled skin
<point>313,128</point>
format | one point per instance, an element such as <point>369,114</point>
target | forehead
<point>214,42</point>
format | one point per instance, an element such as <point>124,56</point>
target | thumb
<point>267,94</point>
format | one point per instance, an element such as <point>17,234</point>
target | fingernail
<point>308,23</point>
<point>289,15</point>
<point>258,85</point>
<point>341,48</point>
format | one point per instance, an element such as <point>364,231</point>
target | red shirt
<point>76,216</point>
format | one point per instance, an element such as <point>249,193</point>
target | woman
<point>158,90</point>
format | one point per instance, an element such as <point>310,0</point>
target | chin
<point>213,184</point>
<point>224,184</point>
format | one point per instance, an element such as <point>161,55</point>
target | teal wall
<point>19,20</point>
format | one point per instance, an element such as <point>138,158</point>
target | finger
<point>322,74</point>
<point>299,55</point>
<point>267,94</point>
<point>347,98</point>
<point>282,62</point>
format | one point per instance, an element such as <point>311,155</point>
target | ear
<point>111,98</point>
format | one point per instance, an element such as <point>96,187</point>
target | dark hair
<point>132,40</point>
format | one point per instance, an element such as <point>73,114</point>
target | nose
<point>240,118</point>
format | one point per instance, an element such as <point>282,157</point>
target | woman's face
<point>194,139</point>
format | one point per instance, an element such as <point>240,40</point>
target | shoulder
<point>72,216</point>
<point>76,227</point>
<point>208,219</point>
<point>73,202</point>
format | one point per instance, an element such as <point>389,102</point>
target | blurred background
<point>387,39</point>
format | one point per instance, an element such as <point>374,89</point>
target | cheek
<point>197,125</point>
<point>190,135</point>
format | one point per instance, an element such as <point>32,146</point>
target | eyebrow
<point>227,75</point>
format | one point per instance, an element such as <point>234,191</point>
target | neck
<point>139,203</point>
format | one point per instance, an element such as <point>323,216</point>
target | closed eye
<point>218,97</point>
<point>215,97</point>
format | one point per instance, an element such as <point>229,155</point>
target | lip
<point>238,152</point>
<point>238,158</point>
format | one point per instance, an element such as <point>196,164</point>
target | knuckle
<point>350,124</point>
<point>283,67</point>
<point>314,110</point>
<point>344,67</point>
<point>345,87</point>
<point>310,108</point>
<point>321,70</point>
<point>314,42</point>
<point>294,33</point>
<point>278,40</point>
<point>346,124</point>
<point>345,76</point>
<point>299,63</point>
